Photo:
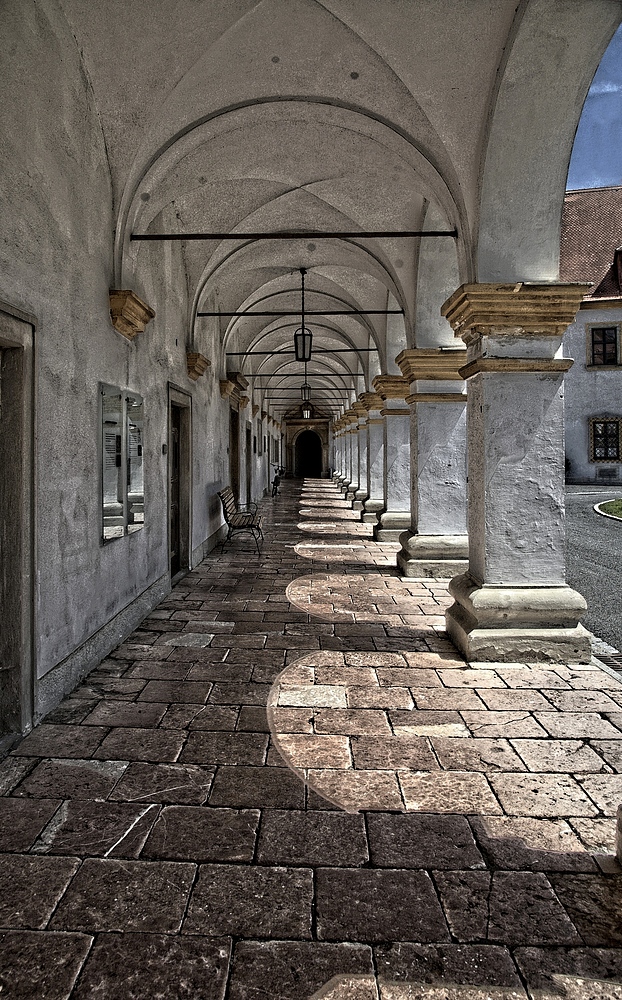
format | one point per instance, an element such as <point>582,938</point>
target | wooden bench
<point>240,518</point>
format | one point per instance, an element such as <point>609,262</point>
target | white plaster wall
<point>589,393</point>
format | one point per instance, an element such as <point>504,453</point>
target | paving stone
<point>183,716</point>
<point>355,790</point>
<point>111,895</point>
<point>422,841</point>
<point>240,694</point>
<point>541,795</point>
<point>292,970</point>
<point>193,639</point>
<point>515,700</point>
<point>30,888</point>
<point>610,751</point>
<point>409,677</point>
<point>568,756</point>
<point>502,724</point>
<point>359,676</point>
<point>532,677</point>
<point>529,844</point>
<point>303,750</point>
<point>448,792</point>
<point>254,719</point>
<point>125,713</point>
<point>320,695</point>
<point>186,784</point>
<point>471,678</point>
<point>251,901</point>
<point>539,965</point>
<point>292,720</point>
<point>370,905</point>
<point>141,744</point>
<point>203,834</point>
<point>13,770</point>
<point>119,688</point>
<point>582,701</point>
<point>39,964</point>
<point>428,723</point>
<point>486,965</point>
<point>146,966</point>
<point>21,821</point>
<point>594,904</point>
<point>69,778</point>
<point>387,697</point>
<point>93,828</point>
<point>399,751</point>
<point>476,755</point>
<point>577,725</point>
<point>294,837</point>
<point>604,789</point>
<point>194,692</point>
<point>160,670</point>
<point>224,748</point>
<point>71,711</point>
<point>446,699</point>
<point>61,741</point>
<point>257,787</point>
<point>222,670</point>
<point>370,722</point>
<point>214,719</point>
<point>597,835</point>
<point>509,907</point>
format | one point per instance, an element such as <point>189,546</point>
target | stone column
<point>346,477</point>
<point>338,450</point>
<point>513,604</point>
<point>436,544</point>
<point>353,459</point>
<point>395,517</point>
<point>360,429</point>
<point>374,503</point>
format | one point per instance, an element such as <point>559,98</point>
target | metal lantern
<point>306,411</point>
<point>303,339</point>
<point>305,392</point>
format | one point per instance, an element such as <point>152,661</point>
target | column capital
<point>371,401</point>
<point>391,386</point>
<point>431,363</point>
<point>520,309</point>
<point>359,409</point>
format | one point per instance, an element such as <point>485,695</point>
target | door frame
<point>183,401</point>
<point>18,651</point>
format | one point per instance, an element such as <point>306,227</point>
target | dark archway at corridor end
<point>308,455</point>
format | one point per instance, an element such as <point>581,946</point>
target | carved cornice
<point>431,363</point>
<point>197,364</point>
<point>264,415</point>
<point>391,386</point>
<point>519,309</point>
<point>129,314</point>
<point>360,409</point>
<point>255,409</point>
<point>529,365</point>
<point>244,401</point>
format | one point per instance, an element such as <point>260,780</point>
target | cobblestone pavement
<point>287,784</point>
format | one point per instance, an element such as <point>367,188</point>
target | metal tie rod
<point>313,312</point>
<point>280,235</point>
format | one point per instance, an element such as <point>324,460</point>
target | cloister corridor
<point>287,784</point>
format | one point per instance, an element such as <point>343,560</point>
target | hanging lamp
<point>303,338</point>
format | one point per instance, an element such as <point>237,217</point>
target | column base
<point>371,511</point>
<point>517,624</point>
<point>359,500</point>
<point>440,556</point>
<point>391,524</point>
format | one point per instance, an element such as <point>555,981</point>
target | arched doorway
<point>308,455</point>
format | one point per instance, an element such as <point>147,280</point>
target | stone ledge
<point>129,315</point>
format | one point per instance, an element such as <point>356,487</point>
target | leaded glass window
<point>605,440</point>
<point>604,345</point>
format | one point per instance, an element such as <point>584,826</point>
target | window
<point>605,440</point>
<point>604,347</point>
<point>123,499</point>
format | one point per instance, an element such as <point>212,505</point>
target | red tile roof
<point>590,234</point>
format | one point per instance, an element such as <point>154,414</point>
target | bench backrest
<point>229,505</point>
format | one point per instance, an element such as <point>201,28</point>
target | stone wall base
<point>517,624</point>
<point>442,556</point>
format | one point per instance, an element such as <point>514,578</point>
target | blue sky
<point>597,153</point>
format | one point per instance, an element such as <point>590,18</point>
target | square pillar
<point>374,503</point>
<point>513,603</point>
<point>353,434</point>
<point>360,429</point>
<point>395,517</point>
<point>436,543</point>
